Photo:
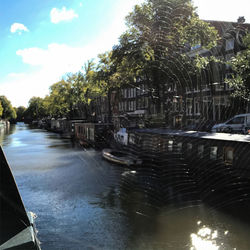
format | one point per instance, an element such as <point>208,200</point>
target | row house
<point>137,108</point>
<point>207,100</point>
<point>133,105</point>
<point>99,110</point>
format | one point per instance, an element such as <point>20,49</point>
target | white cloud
<point>20,89</point>
<point>51,64</point>
<point>47,66</point>
<point>57,15</point>
<point>18,27</point>
<point>59,57</point>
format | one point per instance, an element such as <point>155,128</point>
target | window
<point>92,134</point>
<point>189,107</point>
<point>131,105</point>
<point>122,106</point>
<point>228,58</point>
<point>170,145</point>
<point>197,46</point>
<point>229,44</point>
<point>200,151</point>
<point>228,155</point>
<point>196,107</point>
<point>237,120</point>
<point>213,153</point>
<point>219,87</point>
<point>179,147</point>
<point>153,108</point>
<point>146,102</point>
<point>188,90</point>
<point>189,147</point>
<point>248,120</point>
<point>131,139</point>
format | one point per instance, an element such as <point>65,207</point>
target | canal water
<point>84,202</point>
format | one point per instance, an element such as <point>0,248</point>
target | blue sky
<point>41,40</point>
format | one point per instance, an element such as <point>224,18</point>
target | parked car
<point>238,124</point>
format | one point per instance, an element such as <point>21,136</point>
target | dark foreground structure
<point>17,230</point>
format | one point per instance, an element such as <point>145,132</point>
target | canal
<point>84,202</point>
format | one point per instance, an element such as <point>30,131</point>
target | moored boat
<point>96,135</point>
<point>197,148</point>
<point>120,157</point>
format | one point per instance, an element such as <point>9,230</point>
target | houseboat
<point>68,128</point>
<point>17,229</point>
<point>56,125</point>
<point>94,134</point>
<point>199,149</point>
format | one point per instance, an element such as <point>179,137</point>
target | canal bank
<point>83,202</point>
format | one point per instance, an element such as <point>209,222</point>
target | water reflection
<point>204,239</point>
<point>6,131</point>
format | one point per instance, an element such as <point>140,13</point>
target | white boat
<point>120,157</point>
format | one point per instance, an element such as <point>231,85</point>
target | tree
<point>1,110</point>
<point>8,111</point>
<point>20,111</point>
<point>84,88</point>
<point>36,109</point>
<point>58,102</point>
<point>155,44</point>
<point>240,80</point>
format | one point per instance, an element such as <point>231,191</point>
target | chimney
<point>241,20</point>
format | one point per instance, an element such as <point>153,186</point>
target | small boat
<point>17,228</point>
<point>120,157</point>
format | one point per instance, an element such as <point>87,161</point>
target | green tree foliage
<point>36,109</point>
<point>240,80</point>
<point>158,36</point>
<point>71,96</point>
<point>58,102</point>
<point>1,109</point>
<point>107,73</point>
<point>93,88</point>
<point>8,111</point>
<point>20,111</point>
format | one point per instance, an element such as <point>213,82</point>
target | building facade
<point>199,103</point>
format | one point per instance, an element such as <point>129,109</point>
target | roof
<point>196,134</point>
<point>247,114</point>
<point>224,26</point>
